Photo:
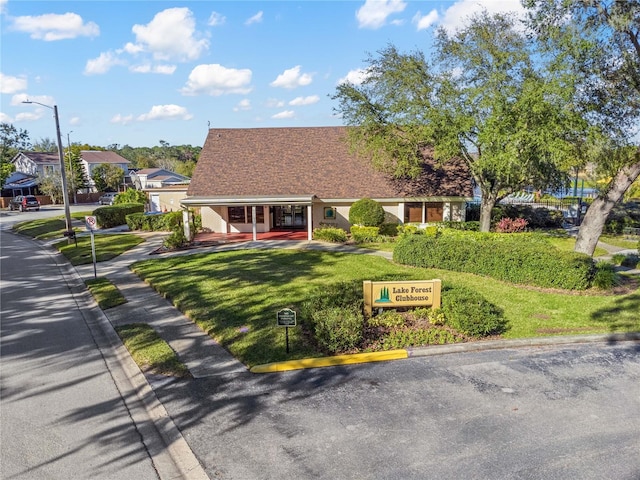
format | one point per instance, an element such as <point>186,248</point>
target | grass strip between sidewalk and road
<point>149,351</point>
<point>108,246</point>
<point>105,293</point>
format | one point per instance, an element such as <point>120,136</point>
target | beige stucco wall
<point>169,199</point>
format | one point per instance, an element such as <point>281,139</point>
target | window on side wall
<point>236,215</point>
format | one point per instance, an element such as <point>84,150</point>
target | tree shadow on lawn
<point>623,315</point>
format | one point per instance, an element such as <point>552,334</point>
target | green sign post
<point>286,318</point>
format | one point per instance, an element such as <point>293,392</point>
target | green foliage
<point>605,276</point>
<point>175,239</point>
<point>361,234</point>
<point>630,261</point>
<point>116,215</point>
<point>131,195</point>
<point>107,177</point>
<point>367,213</point>
<point>330,234</point>
<point>149,351</point>
<point>470,313</point>
<point>387,319</point>
<point>522,259</point>
<point>157,222</point>
<point>338,329</point>
<point>105,293</point>
<point>12,141</point>
<point>536,218</point>
<point>622,216</point>
<point>389,229</point>
<point>51,186</point>
<point>416,337</point>
<point>347,294</point>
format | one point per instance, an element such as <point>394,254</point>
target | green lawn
<point>234,296</point>
<point>47,228</point>
<point>107,246</point>
<point>105,293</point>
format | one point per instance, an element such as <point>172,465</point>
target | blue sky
<point>138,72</point>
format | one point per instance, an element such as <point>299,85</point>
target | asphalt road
<point>61,415</point>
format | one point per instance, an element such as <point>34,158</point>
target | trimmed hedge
<point>364,234</point>
<point>330,234</point>
<point>521,259</point>
<point>159,222</point>
<point>367,213</point>
<point>116,215</point>
<point>470,313</point>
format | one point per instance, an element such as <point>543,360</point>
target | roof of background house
<point>43,158</point>
<point>98,156</point>
<point>158,173</point>
<point>308,161</point>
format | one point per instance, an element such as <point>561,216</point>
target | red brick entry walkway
<point>205,237</point>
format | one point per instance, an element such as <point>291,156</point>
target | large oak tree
<point>482,98</point>
<point>595,44</point>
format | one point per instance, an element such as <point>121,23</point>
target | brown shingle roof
<point>307,161</point>
<point>43,158</point>
<point>97,156</point>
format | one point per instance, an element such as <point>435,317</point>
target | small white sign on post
<point>90,222</point>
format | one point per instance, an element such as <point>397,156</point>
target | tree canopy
<point>482,98</point>
<point>12,140</point>
<point>596,45</point>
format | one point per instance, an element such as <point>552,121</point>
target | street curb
<point>412,352</point>
<point>170,454</point>
<point>329,361</point>
<point>523,342</point>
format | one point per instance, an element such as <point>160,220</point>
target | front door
<point>290,216</point>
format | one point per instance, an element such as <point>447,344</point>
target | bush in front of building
<point>536,217</point>
<point>468,312</point>
<point>338,329</point>
<point>361,234</point>
<point>330,234</point>
<point>116,215</point>
<point>524,259</point>
<point>367,213</point>
<point>131,195</point>
<point>157,222</point>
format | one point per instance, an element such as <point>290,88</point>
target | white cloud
<point>274,103</point>
<point>50,26</point>
<point>74,121</point>
<point>4,118</point>
<point>171,35</point>
<point>216,19</point>
<point>459,13</point>
<point>29,116</point>
<point>355,77</point>
<point>148,68</point>
<point>285,114</point>
<point>132,48</point>
<point>9,84</point>
<point>165,112</point>
<point>3,8</point>
<point>122,119</point>
<point>257,18</point>
<point>36,99</point>
<point>103,63</point>
<point>374,13</point>
<point>292,78</point>
<point>243,105</point>
<point>310,100</point>
<point>423,22</point>
<point>214,79</point>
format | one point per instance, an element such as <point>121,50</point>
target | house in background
<point>90,159</point>
<point>37,164</point>
<point>164,188</point>
<point>19,183</point>
<point>265,179</point>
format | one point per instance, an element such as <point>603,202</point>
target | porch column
<point>309,222</point>
<point>424,213</point>
<point>253,222</point>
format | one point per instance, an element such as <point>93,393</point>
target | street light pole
<point>63,173</point>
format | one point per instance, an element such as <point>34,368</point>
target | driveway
<point>529,413</point>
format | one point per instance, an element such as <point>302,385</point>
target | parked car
<point>24,202</point>
<point>107,198</point>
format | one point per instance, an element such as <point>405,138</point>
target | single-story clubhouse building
<point>265,179</point>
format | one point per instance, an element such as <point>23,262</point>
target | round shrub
<point>338,329</point>
<point>366,212</point>
<point>470,313</point>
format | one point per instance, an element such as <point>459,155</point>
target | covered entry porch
<point>255,218</point>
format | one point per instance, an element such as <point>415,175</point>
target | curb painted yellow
<point>330,361</point>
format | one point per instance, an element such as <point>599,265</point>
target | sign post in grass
<point>286,318</point>
<point>90,222</point>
